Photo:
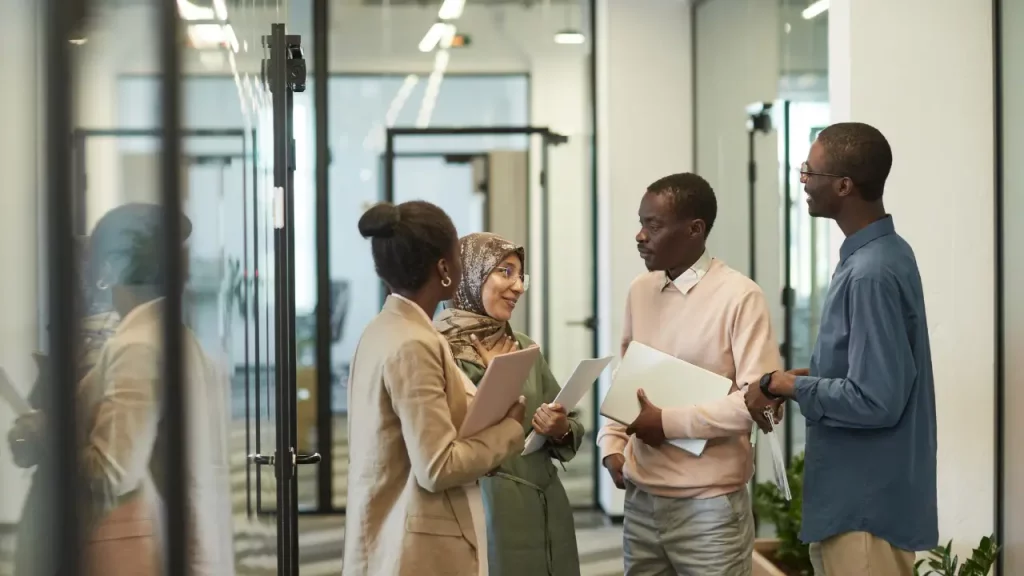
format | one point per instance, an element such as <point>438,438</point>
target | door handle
<point>588,323</point>
<point>313,458</point>
<point>261,460</point>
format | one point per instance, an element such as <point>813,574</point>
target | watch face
<point>766,379</point>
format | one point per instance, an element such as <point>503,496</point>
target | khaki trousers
<point>860,554</point>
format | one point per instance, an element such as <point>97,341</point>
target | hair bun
<point>380,221</point>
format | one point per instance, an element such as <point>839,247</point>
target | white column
<point>19,140</point>
<point>645,131</point>
<point>921,72</point>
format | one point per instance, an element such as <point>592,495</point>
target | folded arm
<point>441,460</point>
<point>881,373</point>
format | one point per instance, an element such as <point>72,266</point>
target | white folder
<point>669,383</point>
<point>575,389</point>
<point>499,389</point>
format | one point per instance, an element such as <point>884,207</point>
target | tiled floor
<point>321,537</point>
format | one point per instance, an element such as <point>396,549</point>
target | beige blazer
<point>407,514</point>
<point>120,406</point>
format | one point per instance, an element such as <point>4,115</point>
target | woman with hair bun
<point>414,506</point>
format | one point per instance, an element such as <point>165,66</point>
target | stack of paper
<point>575,389</point>
<point>779,463</point>
<point>668,382</point>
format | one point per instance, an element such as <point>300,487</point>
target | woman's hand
<point>551,420</point>
<point>26,439</point>
<point>504,345</point>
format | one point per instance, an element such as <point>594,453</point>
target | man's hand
<point>757,402</point>
<point>647,426</point>
<point>614,464</point>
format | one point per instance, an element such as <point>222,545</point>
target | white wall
<point>645,130</point>
<point>885,61</point>
<point>19,141</point>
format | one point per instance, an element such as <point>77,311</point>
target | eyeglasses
<point>510,275</point>
<point>806,172</point>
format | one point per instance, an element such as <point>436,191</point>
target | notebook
<point>668,382</point>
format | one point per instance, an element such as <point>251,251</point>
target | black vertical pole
<point>752,203</point>
<point>63,457</point>
<point>175,394</point>
<point>545,181</point>
<point>278,77</point>
<point>787,290</point>
<point>256,279</point>
<point>389,187</point>
<point>324,306</point>
<point>1000,282</point>
<point>288,392</point>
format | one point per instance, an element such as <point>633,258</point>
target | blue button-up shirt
<point>870,400</point>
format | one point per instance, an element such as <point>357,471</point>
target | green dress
<point>530,528</point>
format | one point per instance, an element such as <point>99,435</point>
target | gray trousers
<point>688,536</point>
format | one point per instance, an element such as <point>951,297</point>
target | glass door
<point>274,393</point>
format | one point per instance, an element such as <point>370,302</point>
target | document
<point>575,389</point>
<point>11,396</point>
<point>778,462</point>
<point>499,389</point>
<point>669,383</point>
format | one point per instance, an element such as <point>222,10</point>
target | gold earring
<point>446,282</point>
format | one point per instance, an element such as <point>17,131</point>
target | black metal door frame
<point>764,117</point>
<point>449,158</point>
<point>548,139</point>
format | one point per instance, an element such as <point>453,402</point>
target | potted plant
<point>940,562</point>
<point>784,555</point>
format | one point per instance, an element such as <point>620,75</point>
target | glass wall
<point>1012,262</point>
<point>87,412</point>
<point>492,66</point>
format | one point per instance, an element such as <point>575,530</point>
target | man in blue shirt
<point>869,395</point>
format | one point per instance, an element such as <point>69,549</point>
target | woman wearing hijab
<point>530,529</point>
<point>414,506</point>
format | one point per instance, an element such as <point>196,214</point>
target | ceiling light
<point>190,11</point>
<point>451,9</point>
<point>220,9</point>
<point>815,9</point>
<point>208,36</point>
<point>570,37</point>
<point>434,35</point>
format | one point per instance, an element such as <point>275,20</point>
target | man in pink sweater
<point>686,514</point>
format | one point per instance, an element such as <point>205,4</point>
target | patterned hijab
<point>465,315</point>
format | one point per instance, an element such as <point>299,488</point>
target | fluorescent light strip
<point>189,11</point>
<point>570,38</point>
<point>451,9</point>
<point>433,89</point>
<point>398,102</point>
<point>815,9</point>
<point>220,9</point>
<point>433,36</point>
